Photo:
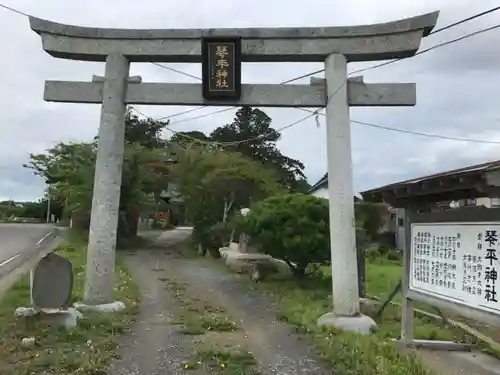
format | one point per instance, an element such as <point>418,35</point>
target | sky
<point>458,86</point>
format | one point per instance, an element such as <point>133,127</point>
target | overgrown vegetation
<point>302,302</point>
<point>293,227</point>
<point>87,349</point>
<point>14,211</point>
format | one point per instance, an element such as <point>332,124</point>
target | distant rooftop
<point>323,182</point>
<point>453,184</point>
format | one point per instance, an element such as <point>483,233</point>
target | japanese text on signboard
<point>457,262</point>
<point>222,66</point>
<point>221,69</point>
<point>490,273</point>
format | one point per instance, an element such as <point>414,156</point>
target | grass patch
<point>196,316</point>
<point>381,280</point>
<point>227,361</point>
<point>87,349</point>
<point>194,323</point>
<point>301,304</point>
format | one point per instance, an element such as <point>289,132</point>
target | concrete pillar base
<point>104,308</point>
<point>360,324</point>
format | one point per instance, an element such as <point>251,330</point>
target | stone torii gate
<point>335,46</point>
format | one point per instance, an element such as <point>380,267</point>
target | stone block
<point>361,324</point>
<point>242,262</point>
<point>110,307</point>
<point>67,318</point>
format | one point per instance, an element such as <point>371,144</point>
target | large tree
<point>145,131</point>
<point>70,170</point>
<point>255,125</point>
<point>251,135</point>
<point>189,138</point>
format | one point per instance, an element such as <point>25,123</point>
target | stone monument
<point>221,52</point>
<point>51,289</point>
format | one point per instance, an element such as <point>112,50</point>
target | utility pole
<point>48,204</point>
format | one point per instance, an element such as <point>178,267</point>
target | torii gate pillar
<point>107,184</point>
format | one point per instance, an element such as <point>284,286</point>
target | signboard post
<point>453,263</point>
<point>221,68</point>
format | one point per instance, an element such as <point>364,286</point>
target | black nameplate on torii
<point>221,68</point>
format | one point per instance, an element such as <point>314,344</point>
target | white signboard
<point>457,262</point>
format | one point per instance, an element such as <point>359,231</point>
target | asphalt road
<point>15,238</point>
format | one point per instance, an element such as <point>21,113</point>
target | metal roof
<point>484,167</point>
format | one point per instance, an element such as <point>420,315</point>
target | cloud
<point>457,85</point>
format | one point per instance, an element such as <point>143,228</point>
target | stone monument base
<point>104,308</point>
<point>360,324</point>
<point>68,318</point>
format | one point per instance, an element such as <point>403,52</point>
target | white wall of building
<point>321,193</point>
<point>486,202</point>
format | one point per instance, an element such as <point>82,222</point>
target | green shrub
<point>371,217</point>
<point>220,234</point>
<point>384,250</point>
<point>372,254</point>
<point>292,227</point>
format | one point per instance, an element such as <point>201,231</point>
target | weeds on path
<point>215,355</point>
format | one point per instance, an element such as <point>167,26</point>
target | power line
<point>470,140</point>
<point>447,27</point>
<point>315,113</point>
<point>202,115</point>
<point>428,135</point>
<point>180,113</point>
<point>478,15</point>
<point>176,71</point>
<point>6,7</point>
<point>466,36</point>
<point>232,143</point>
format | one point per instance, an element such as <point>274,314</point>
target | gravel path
<point>156,347</point>
<point>275,347</point>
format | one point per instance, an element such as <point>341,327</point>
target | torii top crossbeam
<point>382,41</point>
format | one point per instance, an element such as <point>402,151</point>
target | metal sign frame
<point>478,215</point>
